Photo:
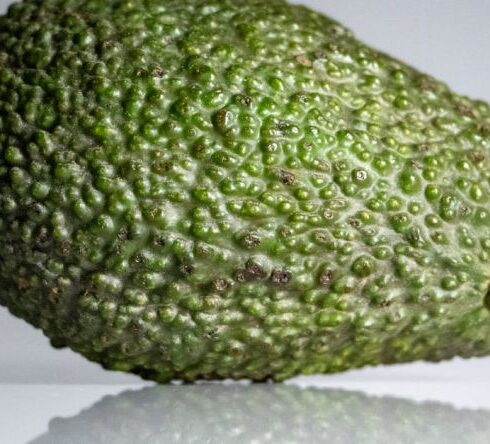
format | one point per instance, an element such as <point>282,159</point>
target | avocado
<point>236,189</point>
<point>274,413</point>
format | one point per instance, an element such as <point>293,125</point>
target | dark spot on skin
<point>282,126</point>
<point>286,177</point>
<point>319,54</point>
<point>154,212</point>
<point>123,233</point>
<point>211,333</point>
<point>244,100</point>
<point>66,248</point>
<point>252,272</point>
<point>477,156</point>
<point>162,166</point>
<point>138,259</point>
<point>414,236</point>
<point>158,72</point>
<point>281,277</point>
<point>255,269</point>
<point>464,211</point>
<point>326,277</point>
<point>328,214</point>
<point>220,285</point>
<point>136,166</point>
<point>22,283</point>
<point>36,209</point>
<point>222,158</point>
<point>361,175</point>
<point>241,276</point>
<point>203,251</point>
<point>353,222</point>
<point>427,84</point>
<point>42,238</point>
<point>135,327</point>
<point>464,110</point>
<point>186,269</point>
<point>199,150</point>
<point>251,240</point>
<point>159,241</point>
<point>321,236</point>
<point>221,119</point>
<point>285,231</point>
<point>323,166</point>
<point>303,98</point>
<point>154,72</point>
<point>82,250</point>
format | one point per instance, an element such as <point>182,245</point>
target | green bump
<point>432,192</point>
<point>240,189</point>
<point>363,266</point>
<point>409,182</point>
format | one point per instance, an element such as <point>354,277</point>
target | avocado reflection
<point>211,413</point>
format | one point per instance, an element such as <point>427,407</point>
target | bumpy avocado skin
<point>235,189</point>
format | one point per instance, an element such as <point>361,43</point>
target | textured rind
<point>235,189</point>
<point>265,414</point>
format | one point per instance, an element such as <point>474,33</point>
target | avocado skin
<point>235,189</point>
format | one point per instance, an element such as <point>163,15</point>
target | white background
<point>450,39</point>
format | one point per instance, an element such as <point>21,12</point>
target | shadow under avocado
<point>221,414</point>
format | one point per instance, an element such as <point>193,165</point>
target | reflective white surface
<point>55,396</point>
<point>307,411</point>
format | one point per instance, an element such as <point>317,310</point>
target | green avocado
<point>235,189</point>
